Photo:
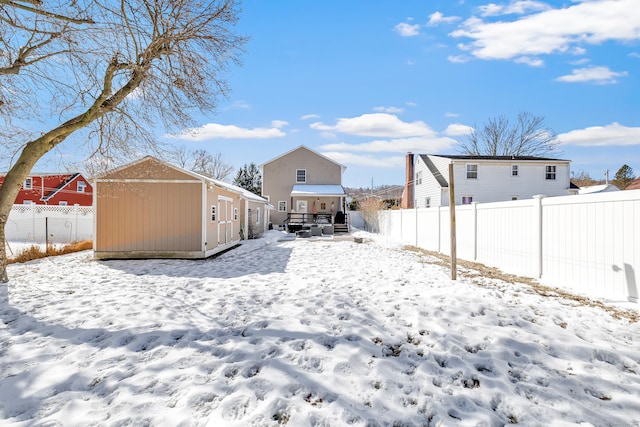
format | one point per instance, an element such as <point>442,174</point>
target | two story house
<point>303,181</point>
<point>486,179</point>
<point>55,189</point>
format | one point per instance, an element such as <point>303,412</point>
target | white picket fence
<point>585,243</point>
<point>54,224</point>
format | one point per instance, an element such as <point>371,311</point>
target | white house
<point>486,179</point>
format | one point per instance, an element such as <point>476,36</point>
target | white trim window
<point>514,170</point>
<point>301,176</point>
<point>427,202</point>
<point>472,171</point>
<point>550,172</point>
<point>257,215</point>
<point>418,177</point>
<point>213,213</point>
<point>467,200</point>
<point>81,186</point>
<point>235,214</point>
<point>28,184</point>
<point>282,206</point>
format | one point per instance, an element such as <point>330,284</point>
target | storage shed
<point>152,209</point>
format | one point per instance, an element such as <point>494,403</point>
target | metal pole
<point>452,214</point>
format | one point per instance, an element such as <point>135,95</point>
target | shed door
<point>225,220</point>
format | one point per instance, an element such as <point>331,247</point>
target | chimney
<point>407,194</point>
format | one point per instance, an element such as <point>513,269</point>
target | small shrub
<point>35,252</point>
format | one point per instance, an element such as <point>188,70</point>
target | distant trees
<point>498,136</point>
<point>249,178</point>
<point>624,177</point>
<point>583,179</point>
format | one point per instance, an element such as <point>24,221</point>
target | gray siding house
<point>302,181</point>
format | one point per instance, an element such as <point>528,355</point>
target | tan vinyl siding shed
<point>152,209</point>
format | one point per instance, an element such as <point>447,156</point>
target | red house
<point>55,189</point>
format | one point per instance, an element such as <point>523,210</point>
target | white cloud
<point>218,131</point>
<point>533,62</point>
<point>449,114</point>
<point>309,117</point>
<point>427,144</point>
<point>563,30</point>
<point>601,136</point>
<point>457,129</point>
<point>515,7</point>
<point>598,75</point>
<point>377,125</point>
<point>364,160</point>
<point>634,55</point>
<point>391,110</point>
<point>407,30</point>
<point>437,18</point>
<point>458,59</point>
<point>279,123</point>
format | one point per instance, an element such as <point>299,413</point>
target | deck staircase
<point>340,228</point>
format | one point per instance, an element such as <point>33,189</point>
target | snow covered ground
<point>304,333</point>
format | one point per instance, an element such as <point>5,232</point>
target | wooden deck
<point>307,221</point>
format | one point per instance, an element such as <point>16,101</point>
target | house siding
<point>279,177</point>
<point>494,180</point>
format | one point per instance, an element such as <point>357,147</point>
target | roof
<point>342,167</point>
<point>634,185</point>
<point>318,190</point>
<point>499,158</point>
<point>603,188</point>
<point>442,181</point>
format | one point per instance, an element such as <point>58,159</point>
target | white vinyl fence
<point>53,224</point>
<point>586,243</point>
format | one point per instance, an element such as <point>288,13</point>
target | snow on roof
<point>603,188</point>
<point>318,190</point>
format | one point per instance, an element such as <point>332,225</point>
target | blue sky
<point>363,82</point>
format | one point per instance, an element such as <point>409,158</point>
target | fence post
<point>33,222</point>
<point>475,230</point>
<point>537,234</point>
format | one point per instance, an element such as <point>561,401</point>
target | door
<point>301,206</point>
<point>225,220</point>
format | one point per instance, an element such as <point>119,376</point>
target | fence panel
<point>587,243</point>
<point>53,224</point>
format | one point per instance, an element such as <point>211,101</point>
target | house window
<point>550,172</point>
<point>62,203</point>
<point>427,202</point>
<point>301,176</point>
<point>323,206</point>
<point>514,197</point>
<point>235,214</point>
<point>514,170</point>
<point>472,171</point>
<point>282,206</point>
<point>81,186</point>
<point>466,200</point>
<point>418,177</point>
<point>28,184</point>
<point>28,202</point>
<point>257,215</point>
<point>213,213</point>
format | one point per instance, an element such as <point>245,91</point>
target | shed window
<point>301,176</point>
<point>213,213</point>
<point>550,172</point>
<point>257,215</point>
<point>472,171</point>
<point>81,186</point>
<point>28,184</point>
<point>282,206</point>
<point>514,170</point>
<point>235,214</point>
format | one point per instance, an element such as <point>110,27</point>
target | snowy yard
<point>304,333</point>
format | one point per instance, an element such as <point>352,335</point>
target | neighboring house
<point>303,181</point>
<point>635,185</point>
<point>487,179</point>
<point>54,189</point>
<point>152,209</point>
